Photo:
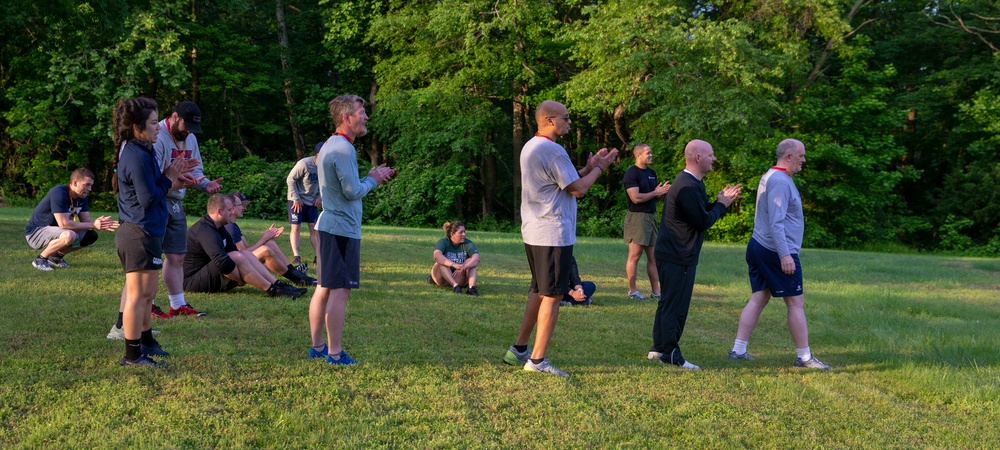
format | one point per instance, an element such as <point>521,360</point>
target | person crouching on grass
<point>142,212</point>
<point>455,260</point>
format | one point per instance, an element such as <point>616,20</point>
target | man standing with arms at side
<point>773,255</point>
<point>640,220</point>
<point>550,186</point>
<point>177,140</point>
<point>52,228</point>
<point>687,214</point>
<point>303,204</point>
<point>339,226</point>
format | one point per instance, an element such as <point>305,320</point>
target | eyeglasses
<point>565,118</point>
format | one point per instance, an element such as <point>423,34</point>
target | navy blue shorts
<point>550,269</point>
<point>339,261</point>
<point>765,272</point>
<point>307,214</point>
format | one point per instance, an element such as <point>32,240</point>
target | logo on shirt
<point>178,153</point>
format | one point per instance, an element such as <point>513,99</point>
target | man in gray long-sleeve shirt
<point>339,226</point>
<point>773,255</point>
<point>304,203</point>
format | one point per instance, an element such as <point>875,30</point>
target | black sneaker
<point>155,350</point>
<point>457,289</point>
<point>473,291</point>
<point>55,260</point>
<point>279,288</point>
<point>430,280</point>
<point>141,361</point>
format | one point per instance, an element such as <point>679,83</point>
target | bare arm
<point>602,160</point>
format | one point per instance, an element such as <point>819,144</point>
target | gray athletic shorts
<point>175,238</point>
<point>41,237</point>
<point>640,228</point>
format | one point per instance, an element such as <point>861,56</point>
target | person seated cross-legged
<point>214,264</point>
<point>455,260</point>
<point>265,250</point>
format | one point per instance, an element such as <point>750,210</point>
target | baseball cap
<point>191,115</point>
<point>241,196</point>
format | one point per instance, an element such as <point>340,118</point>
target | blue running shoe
<point>155,350</point>
<point>313,353</point>
<point>343,361</point>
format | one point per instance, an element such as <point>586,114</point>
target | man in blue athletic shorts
<point>52,228</point>
<point>550,186</point>
<point>303,204</point>
<point>773,255</point>
<point>339,225</point>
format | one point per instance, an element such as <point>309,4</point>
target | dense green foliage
<point>896,101</point>
<point>912,340</point>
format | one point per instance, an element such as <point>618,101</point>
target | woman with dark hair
<point>142,211</point>
<point>455,260</point>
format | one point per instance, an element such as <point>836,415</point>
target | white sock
<point>177,300</point>
<point>803,353</point>
<point>739,347</point>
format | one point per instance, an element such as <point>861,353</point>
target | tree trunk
<point>300,149</point>
<point>195,91</point>
<point>621,128</point>
<point>377,147</point>
<point>520,113</point>
<point>488,173</point>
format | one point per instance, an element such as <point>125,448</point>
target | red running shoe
<point>158,313</point>
<point>186,310</point>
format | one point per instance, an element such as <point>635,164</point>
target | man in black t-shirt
<point>640,227</point>
<point>52,228</point>
<point>214,264</point>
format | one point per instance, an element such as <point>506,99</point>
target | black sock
<point>537,361</point>
<point>119,324</point>
<point>292,274</point>
<point>132,350</point>
<point>521,348</point>
<point>147,338</point>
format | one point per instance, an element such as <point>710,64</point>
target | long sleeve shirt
<point>687,214</point>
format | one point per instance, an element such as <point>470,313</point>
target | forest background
<point>897,101</point>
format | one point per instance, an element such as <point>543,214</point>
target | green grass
<point>913,341</point>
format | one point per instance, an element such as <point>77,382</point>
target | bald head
<point>791,155</point>
<point>698,157</point>
<point>552,118</point>
<point>548,108</point>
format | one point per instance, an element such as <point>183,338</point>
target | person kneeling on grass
<point>214,264</point>
<point>455,260</point>
<point>52,228</point>
<point>265,250</point>
<point>582,290</point>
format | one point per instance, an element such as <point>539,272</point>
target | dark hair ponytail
<point>128,112</point>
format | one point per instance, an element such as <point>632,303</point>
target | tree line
<point>897,102</point>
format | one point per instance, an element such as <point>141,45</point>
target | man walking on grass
<point>687,214</point>
<point>773,255</point>
<point>550,186</point>
<point>339,226</point>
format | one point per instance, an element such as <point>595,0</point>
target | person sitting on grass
<point>582,290</point>
<point>214,264</point>
<point>52,229</point>
<point>265,250</point>
<point>455,260</point>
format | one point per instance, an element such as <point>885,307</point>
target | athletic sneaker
<point>654,297</point>
<point>636,296</point>
<point>117,333</point>
<point>299,265</point>
<point>185,310</point>
<point>457,289</point>
<point>307,280</point>
<point>565,303</point>
<point>343,361</point>
<point>313,353</point>
<point>544,367</point>
<point>473,291</point>
<point>57,261</point>
<point>141,361</point>
<point>811,363</point>
<point>155,350</point>
<point>653,355</point>
<point>514,357</point>
<point>744,355</point>
<point>430,280</point>
<point>279,288</point>
<point>42,264</point>
<point>158,313</point>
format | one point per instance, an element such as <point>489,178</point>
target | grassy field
<point>913,341</point>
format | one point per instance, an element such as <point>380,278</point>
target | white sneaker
<point>653,355</point>
<point>544,367</point>
<point>636,296</point>
<point>119,333</point>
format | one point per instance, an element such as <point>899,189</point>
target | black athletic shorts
<point>339,261</point>
<point>137,250</point>
<point>208,279</point>
<point>550,269</point>
<point>765,272</point>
